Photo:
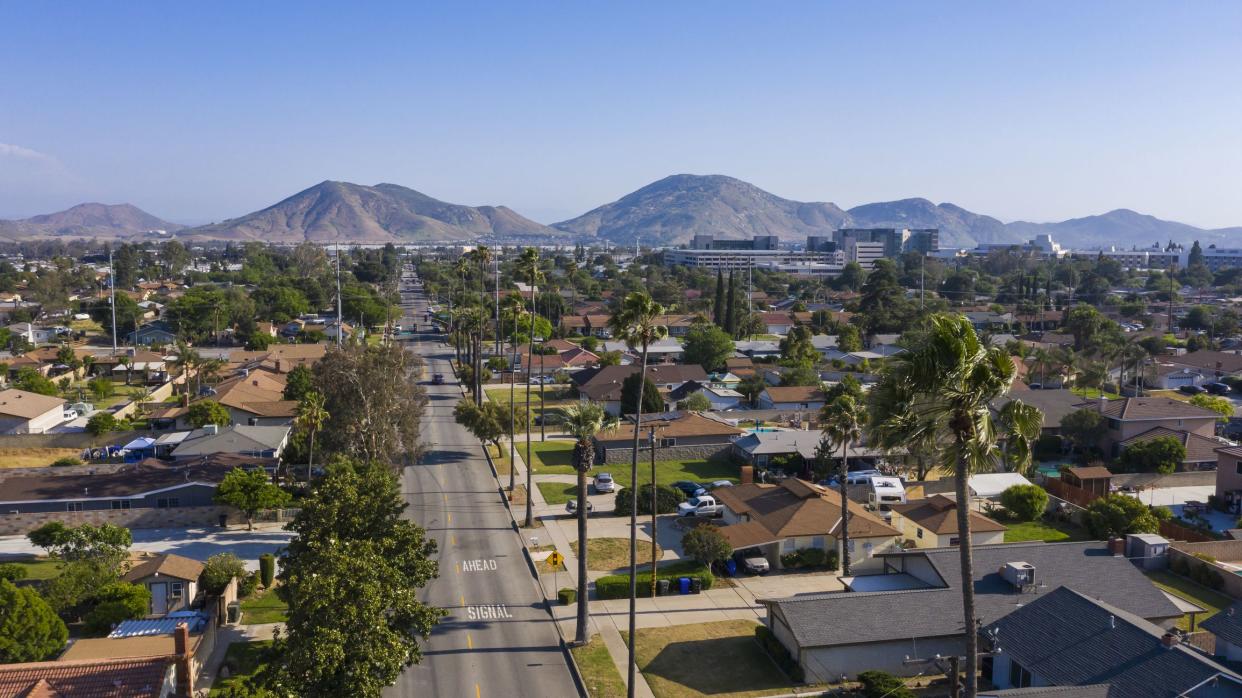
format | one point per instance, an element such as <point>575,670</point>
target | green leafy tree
<point>310,418</point>
<point>32,381</point>
<point>106,543</point>
<point>351,578</point>
<point>101,423</point>
<point>1085,323</point>
<point>583,421</point>
<point>219,570</point>
<point>1219,405</point>
<point>937,395</point>
<point>610,358</point>
<point>652,402</point>
<point>30,631</point>
<point>752,386</point>
<point>1084,428</point>
<point>708,346</point>
<point>374,402</point>
<point>117,602</point>
<point>1118,514</point>
<point>849,338</point>
<point>206,412</point>
<point>298,382</point>
<point>796,348</point>
<point>1161,454</point>
<point>706,544</point>
<point>250,491</point>
<point>12,571</point>
<point>697,402</point>
<point>719,308</point>
<point>1025,502</point>
<point>101,388</point>
<point>259,341</point>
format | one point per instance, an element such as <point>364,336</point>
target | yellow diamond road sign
<point>555,559</point>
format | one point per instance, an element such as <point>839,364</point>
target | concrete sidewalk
<point>227,635</point>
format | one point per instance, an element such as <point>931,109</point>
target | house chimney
<point>1117,546</point>
<point>1168,640</point>
<point>278,365</point>
<point>184,670</point>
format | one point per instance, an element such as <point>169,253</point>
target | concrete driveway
<point>194,543</point>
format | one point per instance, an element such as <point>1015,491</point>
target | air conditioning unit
<point>1020,574</point>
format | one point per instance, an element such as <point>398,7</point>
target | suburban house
<point>33,333</point>
<point>1227,627</point>
<point>1213,365</point>
<point>1130,416</point>
<point>741,366</point>
<point>23,412</point>
<point>256,398</point>
<point>759,448</point>
<point>603,385</point>
<point>242,440</point>
<point>677,435</point>
<point>914,607</point>
<point>757,348</point>
<point>826,345</point>
<point>777,323</point>
<point>157,332</point>
<point>130,677</point>
<point>149,638</point>
<point>1065,637</point>
<point>1200,449</point>
<point>148,494</point>
<point>171,579</point>
<point>792,397</point>
<point>661,351</point>
<point>1052,404</point>
<point>932,523</point>
<point>796,514</point>
<point>1229,477</point>
<point>722,398</point>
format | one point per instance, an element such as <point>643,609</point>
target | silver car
<point>604,483</point>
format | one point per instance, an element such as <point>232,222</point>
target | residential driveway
<point>775,585</point>
<point>194,543</point>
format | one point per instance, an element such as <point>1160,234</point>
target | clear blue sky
<point>1039,110</point>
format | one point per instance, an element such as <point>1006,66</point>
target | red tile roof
<point>107,678</point>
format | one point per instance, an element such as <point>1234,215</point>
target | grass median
<point>599,673</point>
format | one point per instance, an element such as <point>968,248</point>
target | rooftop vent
<point>1020,574</point>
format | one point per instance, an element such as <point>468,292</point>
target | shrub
<point>1180,566</point>
<point>1117,514</point>
<point>66,461</point>
<point>101,423</point>
<point>267,569</point>
<point>879,683</point>
<point>706,544</point>
<point>813,557</point>
<point>617,586</point>
<point>1025,502</point>
<point>117,602</point>
<point>12,571</point>
<point>791,560</point>
<point>567,596</point>
<point>833,560</point>
<point>219,570</point>
<point>778,653</point>
<point>667,499</point>
<point>1047,447</point>
<point>1205,557</point>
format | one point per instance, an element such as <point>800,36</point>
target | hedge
<point>617,586</point>
<point>811,558</point>
<point>568,596</point>
<point>778,653</point>
<point>267,569</point>
<point>667,499</point>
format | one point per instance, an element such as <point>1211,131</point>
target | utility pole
<point>340,316</point>
<point>654,562</point>
<point>750,290</point>
<point>112,285</point>
<point>497,291</point>
<point>922,266</point>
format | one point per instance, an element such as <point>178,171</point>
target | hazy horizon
<point>198,114</point>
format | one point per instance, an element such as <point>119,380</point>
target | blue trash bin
<point>683,585</point>
<point>731,567</point>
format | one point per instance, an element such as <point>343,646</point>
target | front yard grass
<point>610,554</point>
<point>34,457</point>
<point>554,398</point>
<point>720,659</point>
<point>38,568</point>
<point>1047,531</point>
<point>243,659</point>
<point>1191,591</point>
<point>264,607</point>
<point>598,672</point>
<point>667,472</point>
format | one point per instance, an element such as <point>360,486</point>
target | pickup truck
<point>703,505</point>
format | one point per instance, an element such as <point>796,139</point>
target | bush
<point>1047,447</point>
<point>248,584</point>
<point>617,586</point>
<point>667,499</point>
<point>567,596</point>
<point>267,569</point>
<point>833,560</point>
<point>778,653</point>
<point>1180,566</point>
<point>101,423</point>
<point>117,602</point>
<point>66,461</point>
<point>219,570</point>
<point>706,544</point>
<point>792,560</point>
<point>1205,557</point>
<point>879,683</point>
<point>813,557</point>
<point>1117,514</point>
<point>12,571</point>
<point>1025,502</point>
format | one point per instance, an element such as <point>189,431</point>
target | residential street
<point>498,638</point>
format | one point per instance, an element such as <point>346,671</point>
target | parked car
<point>689,487</point>
<point>1217,388</point>
<point>70,414</point>
<point>720,483</point>
<point>542,380</point>
<point>704,505</point>
<point>855,477</point>
<point>751,561</point>
<point>437,379</point>
<point>604,482</point>
<point>1191,390</point>
<point>572,506</point>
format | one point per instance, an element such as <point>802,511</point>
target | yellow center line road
<point>469,642</point>
<point>477,694</point>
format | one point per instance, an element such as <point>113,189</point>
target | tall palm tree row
<point>938,392</point>
<point>634,322</point>
<point>513,312</point>
<point>842,420</point>
<point>528,268</point>
<point>583,421</point>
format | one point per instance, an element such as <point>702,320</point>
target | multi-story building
<point>864,253</point>
<point>823,255</point>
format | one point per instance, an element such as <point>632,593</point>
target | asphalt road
<point>498,639</point>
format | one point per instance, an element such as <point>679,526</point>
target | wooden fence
<point>1083,498</point>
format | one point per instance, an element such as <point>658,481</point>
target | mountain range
<point>667,212</point>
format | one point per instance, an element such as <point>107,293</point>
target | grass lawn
<point>720,659</point>
<point>1048,531</point>
<point>598,672</point>
<point>667,472</point>
<point>1193,592</point>
<point>609,554</point>
<point>263,607</point>
<point>500,458</point>
<point>39,568</point>
<point>549,457</point>
<point>243,659</point>
<point>1093,393</point>
<point>34,457</point>
<point>554,396</point>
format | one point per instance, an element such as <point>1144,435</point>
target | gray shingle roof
<point>1068,639</point>
<point>847,618</point>
<point>1092,691</point>
<point>1226,625</point>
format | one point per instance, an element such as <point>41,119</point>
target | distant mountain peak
<point>85,220</point>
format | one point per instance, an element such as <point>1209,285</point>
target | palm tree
<point>1020,424</point>
<point>513,310</point>
<point>842,421</point>
<point>528,268</point>
<point>311,416</point>
<point>938,393</point>
<point>634,323</point>
<point>571,268</point>
<point>583,421</point>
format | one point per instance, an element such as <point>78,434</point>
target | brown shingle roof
<point>687,424</point>
<point>1149,408</point>
<point>795,393</point>
<point>166,564</point>
<point>938,514</point>
<point>1090,472</point>
<point>1199,449</point>
<point>1222,361</point>
<point>95,678</point>
<point>27,405</point>
<point>798,508</point>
